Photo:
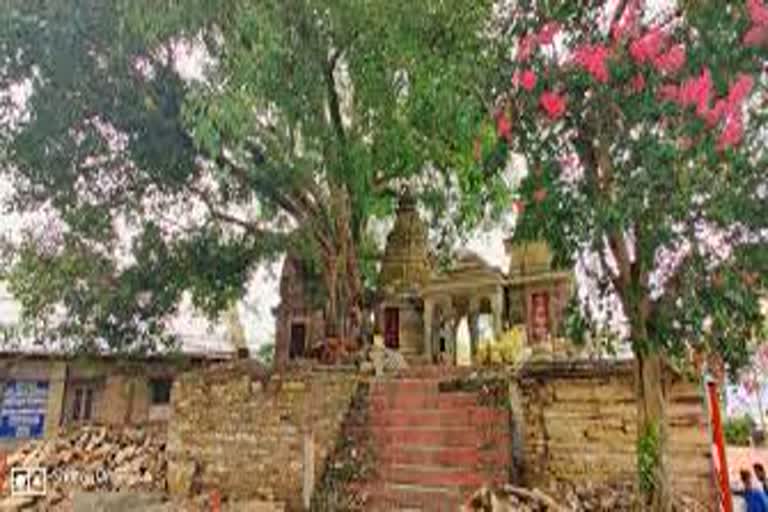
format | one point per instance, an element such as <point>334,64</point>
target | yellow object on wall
<point>508,349</point>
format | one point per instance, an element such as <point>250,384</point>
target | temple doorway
<point>392,328</point>
<point>298,340</point>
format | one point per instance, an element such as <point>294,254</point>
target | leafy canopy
<point>311,116</point>
<point>645,132</point>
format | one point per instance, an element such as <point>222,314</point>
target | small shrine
<point>299,321</point>
<point>404,271</point>
<point>467,290</point>
<point>537,294</point>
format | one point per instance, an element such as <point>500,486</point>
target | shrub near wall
<point>244,434</point>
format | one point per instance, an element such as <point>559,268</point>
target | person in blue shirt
<point>761,476</point>
<point>755,498</point>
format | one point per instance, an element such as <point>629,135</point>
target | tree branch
<point>334,103</point>
<point>251,227</point>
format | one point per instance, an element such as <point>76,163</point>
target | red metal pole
<point>215,501</point>
<point>3,469</point>
<point>726,503</point>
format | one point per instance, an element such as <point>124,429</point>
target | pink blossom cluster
<point>758,16</point>
<point>654,48</point>
<point>545,36</point>
<point>592,58</point>
<point>698,92</point>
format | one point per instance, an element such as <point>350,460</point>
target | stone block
<point>294,386</point>
<point>119,502</point>
<point>180,477</point>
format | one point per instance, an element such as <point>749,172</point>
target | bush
<point>738,431</point>
<point>508,349</point>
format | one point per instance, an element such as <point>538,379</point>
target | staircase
<point>433,448</point>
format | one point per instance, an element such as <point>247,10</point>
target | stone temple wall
<point>579,424</point>
<point>244,435</point>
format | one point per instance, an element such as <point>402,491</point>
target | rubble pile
<point>565,497</point>
<point>94,458</point>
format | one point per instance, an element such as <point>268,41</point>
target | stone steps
<point>443,456</point>
<point>433,448</point>
<point>439,417</point>
<point>402,497</point>
<point>423,400</point>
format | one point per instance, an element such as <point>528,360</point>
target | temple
<point>418,307</point>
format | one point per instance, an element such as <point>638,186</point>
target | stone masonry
<point>244,434</point>
<point>579,424</point>
<point>431,436</point>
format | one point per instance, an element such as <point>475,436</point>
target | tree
<point>754,377</point>
<point>266,354</point>
<point>312,114</point>
<point>644,133</point>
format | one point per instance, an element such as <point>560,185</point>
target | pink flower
<point>525,47</point>
<point>592,59</point>
<point>733,131</point>
<point>739,89</point>
<point>548,32</point>
<point>503,126</point>
<point>669,92</point>
<point>647,46</point>
<point>758,12</point>
<point>697,91</point>
<point>713,115</point>
<point>756,36</point>
<point>637,84</point>
<point>670,62</point>
<point>553,104</point>
<point>528,80</point>
<point>627,22</point>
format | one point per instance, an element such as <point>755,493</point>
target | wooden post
<point>308,480</point>
<point>309,467</point>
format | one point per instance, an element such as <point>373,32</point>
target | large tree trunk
<point>341,272</point>
<point>653,478</point>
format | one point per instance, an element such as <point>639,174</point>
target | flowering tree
<point>644,134</point>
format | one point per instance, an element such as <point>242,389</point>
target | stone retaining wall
<point>244,434</point>
<point>579,424</point>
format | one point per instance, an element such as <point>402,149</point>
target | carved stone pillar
<point>497,307</point>
<point>429,308</point>
<point>472,318</point>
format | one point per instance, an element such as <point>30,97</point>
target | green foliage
<point>311,117</point>
<point>738,431</point>
<point>655,181</point>
<point>266,354</point>
<point>648,453</point>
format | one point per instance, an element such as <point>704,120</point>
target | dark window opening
<point>82,405</point>
<point>77,404</point>
<point>88,405</point>
<point>392,328</point>
<point>298,340</point>
<point>161,391</point>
